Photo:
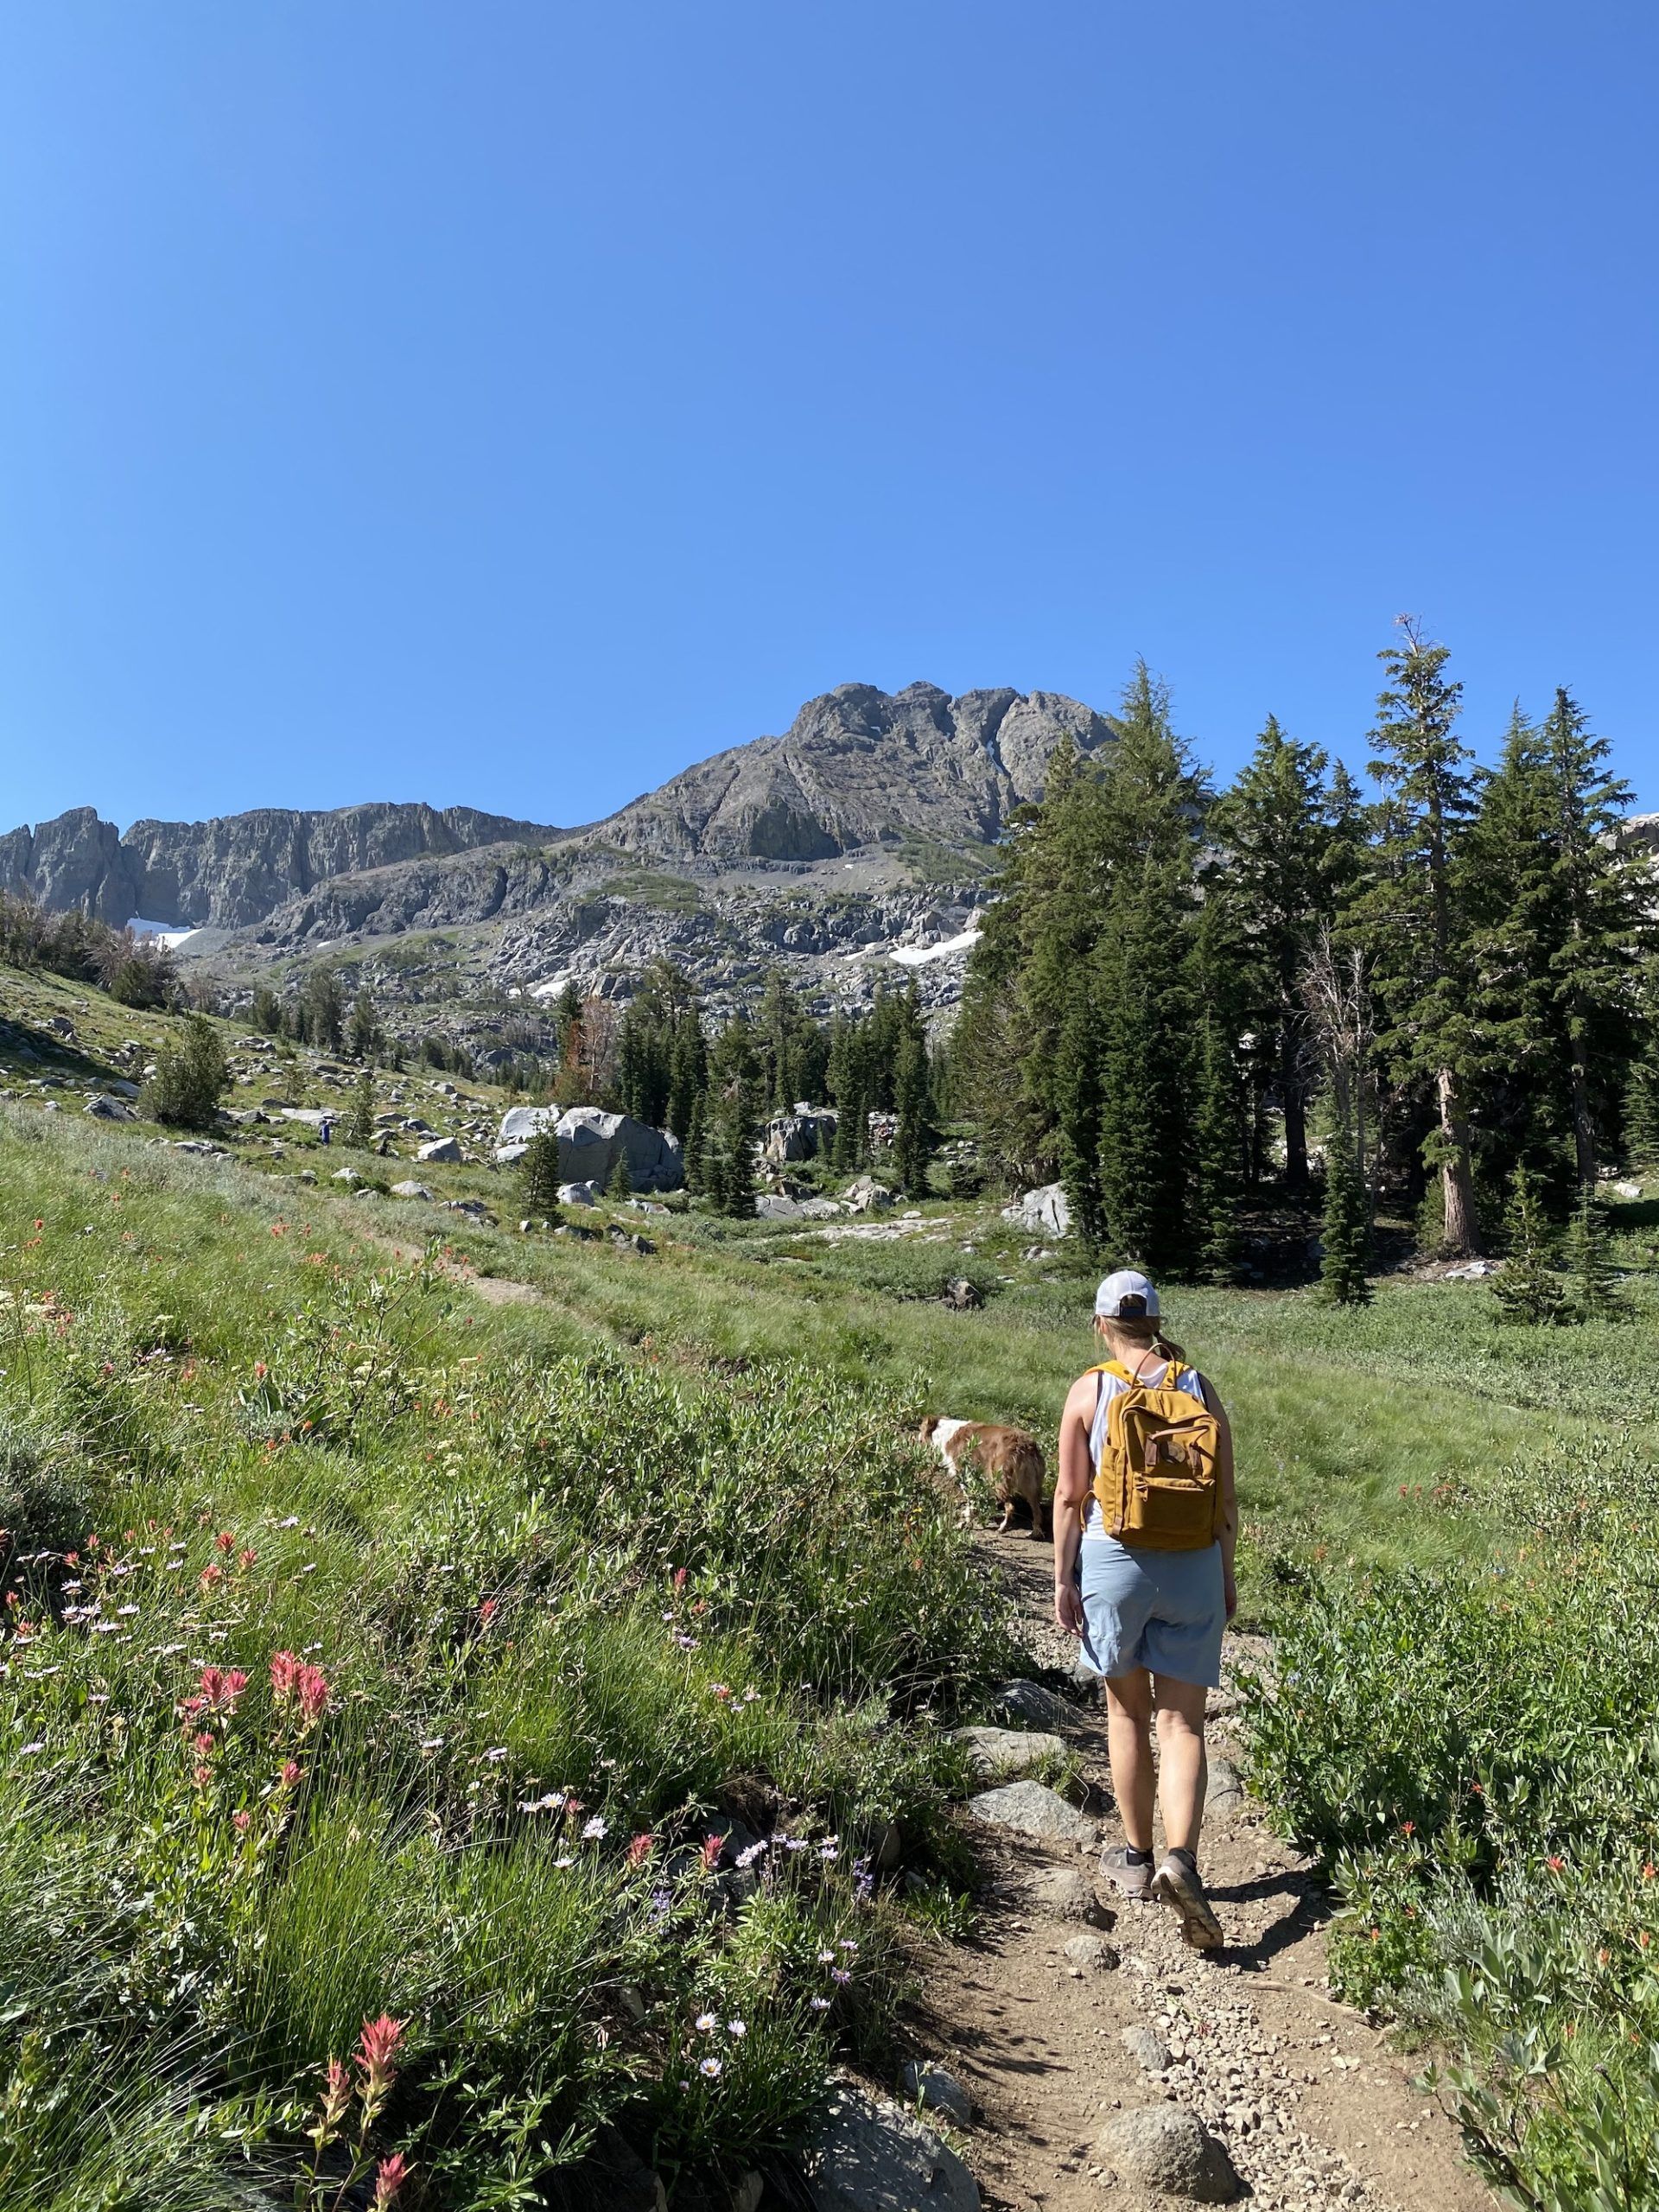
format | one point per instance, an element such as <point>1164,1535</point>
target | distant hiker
<point>1145,1522</point>
<point>326,1130</point>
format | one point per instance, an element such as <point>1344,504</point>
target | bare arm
<point>1228,1494</point>
<point>1072,1488</point>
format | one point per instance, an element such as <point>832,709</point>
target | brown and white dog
<point>1010,1459</point>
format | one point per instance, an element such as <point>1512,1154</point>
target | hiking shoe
<point>1133,1877</point>
<point>1178,1883</point>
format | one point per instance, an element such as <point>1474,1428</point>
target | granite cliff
<point>233,870</point>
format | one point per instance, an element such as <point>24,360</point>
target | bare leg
<point>1182,1766</point>
<point>1128,1741</point>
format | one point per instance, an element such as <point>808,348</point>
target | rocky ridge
<point>233,870</point>
<point>858,768</point>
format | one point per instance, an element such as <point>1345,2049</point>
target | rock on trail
<point>875,2157</point>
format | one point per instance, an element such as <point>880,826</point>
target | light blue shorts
<point>1162,1610</point>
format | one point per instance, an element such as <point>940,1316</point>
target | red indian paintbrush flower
<point>339,2093</point>
<point>314,1693</point>
<point>377,2046</point>
<point>390,2177</point>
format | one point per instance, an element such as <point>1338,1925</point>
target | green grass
<point>679,1595</point>
<point>653,888</point>
<point>659,1538</point>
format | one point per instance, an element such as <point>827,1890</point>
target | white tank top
<point>1113,1386</point>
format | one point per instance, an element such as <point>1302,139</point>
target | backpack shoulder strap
<point>1112,1367</point>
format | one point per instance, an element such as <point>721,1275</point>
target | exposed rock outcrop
<point>858,765</point>
<point>230,871</point>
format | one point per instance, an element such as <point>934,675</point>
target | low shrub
<point>1474,1757</point>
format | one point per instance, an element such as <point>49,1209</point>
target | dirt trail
<point>1313,2106</point>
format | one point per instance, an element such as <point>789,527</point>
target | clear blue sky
<point>511,403</point>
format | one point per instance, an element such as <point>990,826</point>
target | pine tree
<point>363,1037</point>
<point>1507,894</point>
<point>265,1011</point>
<point>1592,1277</point>
<point>688,1073</point>
<point>1527,1288</point>
<point>539,1173</point>
<point>912,1098</point>
<point>851,1087</point>
<point>1411,915</point>
<point>191,1076</point>
<point>790,1057</point>
<point>359,1117</point>
<point>1077,1106</point>
<point>1601,897</point>
<point>734,1104</point>
<point>737,1192</point>
<point>1040,933</point>
<point>620,1184</point>
<point>1642,1101</point>
<point>1143,989</point>
<point>1276,825</point>
<point>322,1011</point>
<point>693,1165</point>
<point>1346,1229</point>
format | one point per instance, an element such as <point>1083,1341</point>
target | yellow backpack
<point>1157,1481</point>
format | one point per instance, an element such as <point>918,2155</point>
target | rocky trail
<point>1110,2066</point>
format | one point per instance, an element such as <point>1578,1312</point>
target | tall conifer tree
<point>1599,898</point>
<point>912,1098</point>
<point>1276,825</point>
<point>1144,990</point>
<point>1411,912</point>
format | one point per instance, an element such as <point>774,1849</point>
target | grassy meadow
<point>509,1738</point>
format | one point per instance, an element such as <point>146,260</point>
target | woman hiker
<point>1150,1602</point>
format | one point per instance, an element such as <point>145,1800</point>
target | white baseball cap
<point>1127,1296</point>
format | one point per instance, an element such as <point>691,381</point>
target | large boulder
<point>1045,1212</point>
<point>520,1123</point>
<point>878,2158</point>
<point>441,1149</point>
<point>800,1135</point>
<point>591,1141</point>
<point>1165,2147</point>
<point>104,1108</point>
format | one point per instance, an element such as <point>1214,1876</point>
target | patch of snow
<point>917,956</point>
<point>550,988</point>
<point>169,936</point>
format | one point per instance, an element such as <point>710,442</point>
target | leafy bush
<point>1473,1755</point>
<point>44,1503</point>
